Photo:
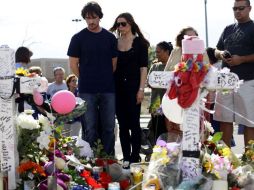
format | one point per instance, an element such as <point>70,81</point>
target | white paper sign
<point>28,84</point>
<point>160,79</point>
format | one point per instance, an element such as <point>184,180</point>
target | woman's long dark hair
<point>134,27</point>
<point>181,34</point>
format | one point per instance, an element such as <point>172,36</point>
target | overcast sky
<point>46,26</point>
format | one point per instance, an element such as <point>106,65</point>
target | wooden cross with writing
<point>8,138</point>
<point>214,80</point>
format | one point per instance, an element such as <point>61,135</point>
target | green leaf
<point>217,137</point>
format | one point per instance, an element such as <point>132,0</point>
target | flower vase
<point>29,184</point>
<point>220,184</point>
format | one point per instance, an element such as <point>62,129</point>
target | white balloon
<point>172,110</point>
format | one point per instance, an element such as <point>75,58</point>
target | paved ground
<point>238,149</point>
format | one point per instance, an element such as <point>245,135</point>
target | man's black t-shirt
<point>238,39</point>
<point>95,52</point>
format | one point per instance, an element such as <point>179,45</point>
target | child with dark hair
<point>22,57</point>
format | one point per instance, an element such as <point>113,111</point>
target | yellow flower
<point>21,71</point>
<point>251,142</point>
<point>226,152</point>
<point>161,154</point>
<point>208,166</point>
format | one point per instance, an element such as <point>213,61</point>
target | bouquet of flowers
<point>218,159</point>
<point>163,171</point>
<point>248,156</point>
<point>43,151</point>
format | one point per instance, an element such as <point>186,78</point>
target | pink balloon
<point>63,102</point>
<point>37,97</point>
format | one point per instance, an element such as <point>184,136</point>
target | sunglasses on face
<point>240,8</point>
<point>74,80</point>
<point>123,24</point>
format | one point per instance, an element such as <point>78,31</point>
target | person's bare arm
<point>237,60</point>
<point>74,65</point>
<point>114,63</point>
<point>143,76</point>
<point>234,59</point>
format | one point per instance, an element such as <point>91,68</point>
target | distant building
<point>48,64</point>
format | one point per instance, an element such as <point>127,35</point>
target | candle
<point>52,183</point>
<point>114,186</point>
<point>220,184</point>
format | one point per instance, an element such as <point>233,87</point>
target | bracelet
<point>141,89</point>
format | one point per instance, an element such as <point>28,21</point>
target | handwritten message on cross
<point>184,85</point>
<point>9,84</point>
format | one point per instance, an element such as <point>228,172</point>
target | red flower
<point>104,162</point>
<point>90,180</point>
<point>235,188</point>
<point>124,184</point>
<point>105,179</point>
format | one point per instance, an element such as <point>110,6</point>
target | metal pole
<point>206,27</point>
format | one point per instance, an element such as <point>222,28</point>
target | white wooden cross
<point>8,138</point>
<point>214,80</point>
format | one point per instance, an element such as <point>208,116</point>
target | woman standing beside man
<point>130,78</point>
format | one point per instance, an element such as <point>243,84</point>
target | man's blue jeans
<point>100,119</point>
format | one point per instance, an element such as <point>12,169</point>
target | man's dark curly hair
<point>90,9</point>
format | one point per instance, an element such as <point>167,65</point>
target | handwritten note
<point>160,79</point>
<point>28,84</point>
<point>223,79</point>
<point>228,81</point>
<point>190,168</point>
<point>191,121</point>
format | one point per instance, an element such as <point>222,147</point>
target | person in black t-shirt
<point>236,49</point>
<point>130,76</point>
<point>93,55</point>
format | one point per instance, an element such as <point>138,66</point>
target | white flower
<point>43,140</point>
<point>85,149</point>
<point>44,121</point>
<point>51,117</point>
<point>73,161</point>
<point>29,112</point>
<point>27,121</point>
<point>209,127</point>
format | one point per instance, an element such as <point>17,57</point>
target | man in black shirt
<point>236,49</point>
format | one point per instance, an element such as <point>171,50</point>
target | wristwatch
<point>141,89</point>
